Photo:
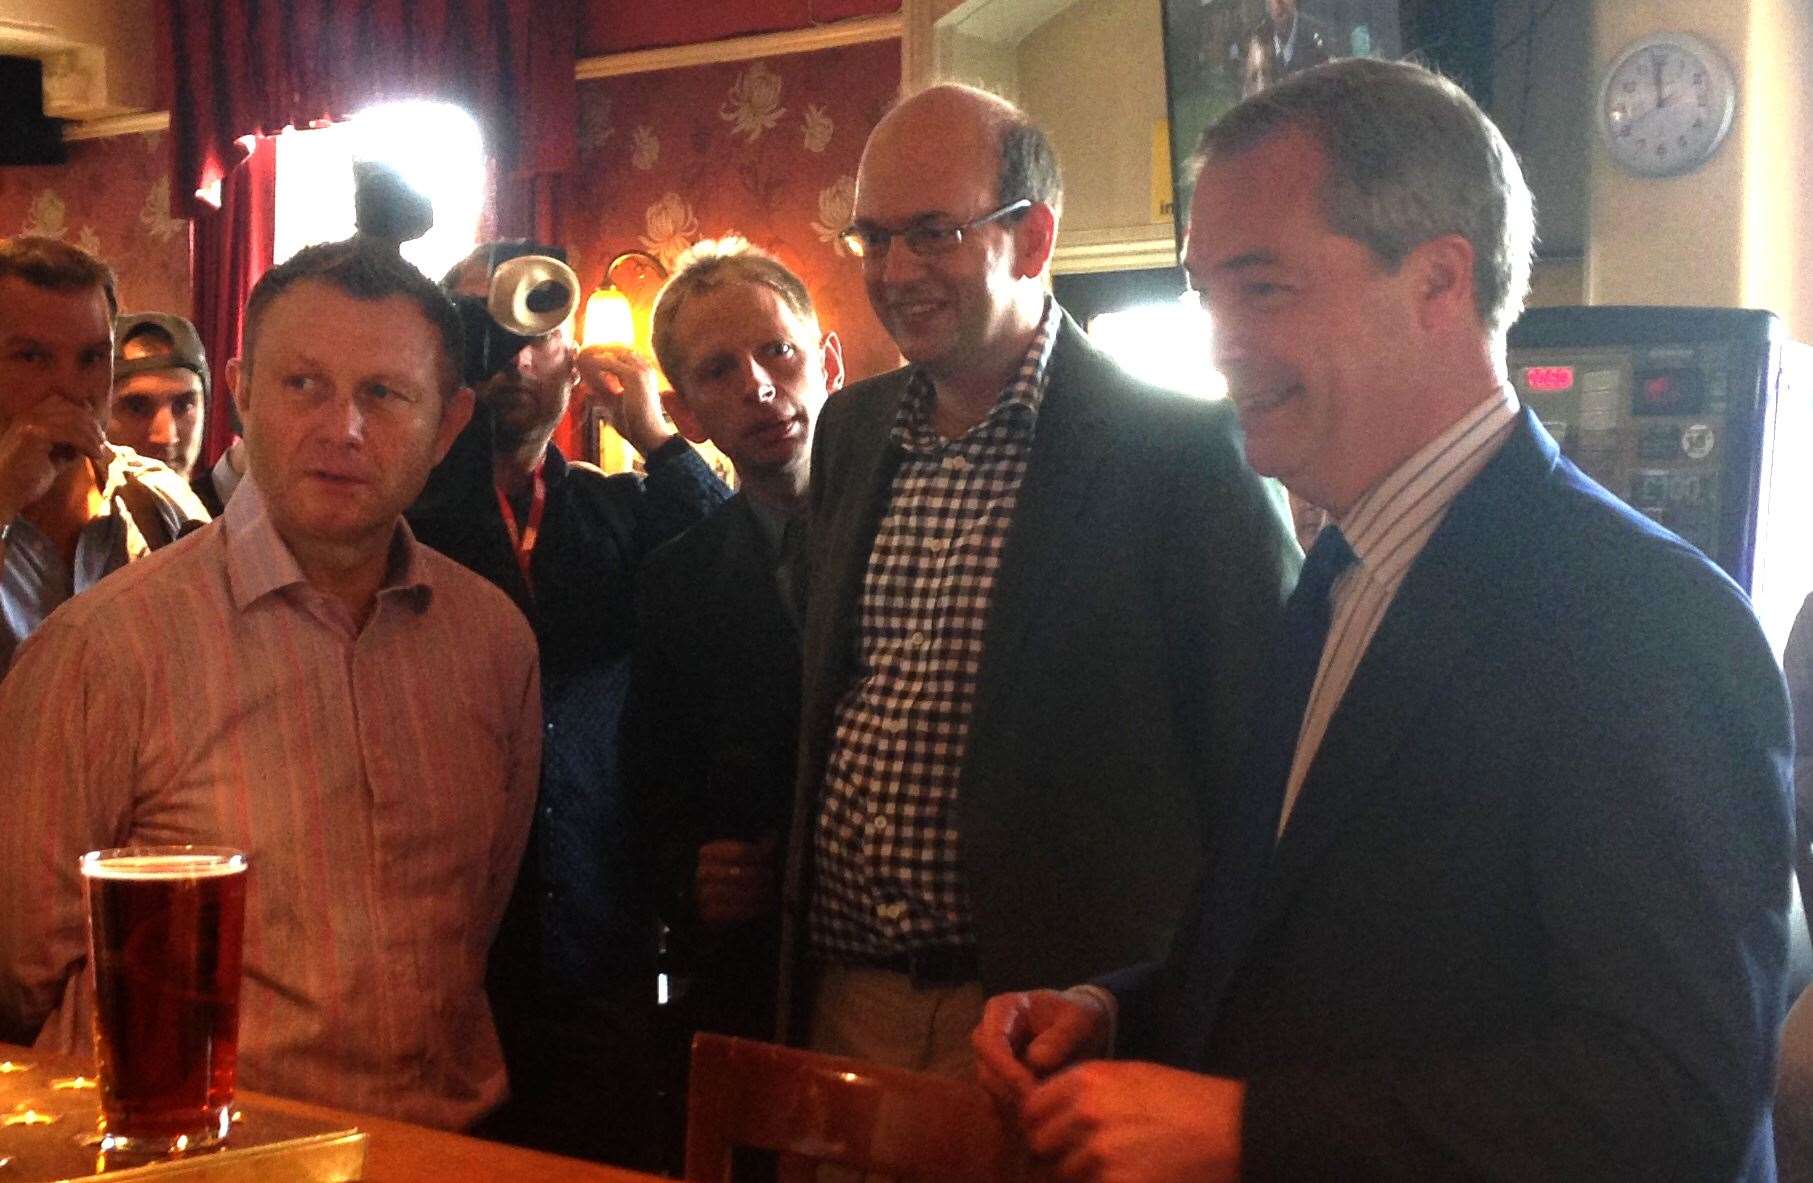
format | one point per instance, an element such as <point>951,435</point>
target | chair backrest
<point>808,1107</point>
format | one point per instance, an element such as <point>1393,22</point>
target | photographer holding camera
<point>572,972</point>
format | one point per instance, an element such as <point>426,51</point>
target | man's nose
<point>70,381</point>
<point>899,263</point>
<point>757,383</point>
<point>1227,339</point>
<point>163,426</point>
<point>344,418</point>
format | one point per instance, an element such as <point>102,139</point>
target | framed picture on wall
<point>1218,51</point>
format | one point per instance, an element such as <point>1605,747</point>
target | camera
<point>532,292</point>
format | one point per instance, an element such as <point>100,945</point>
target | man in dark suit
<point>712,728</point>
<point>1509,898</point>
<point>711,731</point>
<point>1040,592</point>
<point>572,973</point>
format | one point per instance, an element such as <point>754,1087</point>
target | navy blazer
<point>1132,618</point>
<point>1528,920</point>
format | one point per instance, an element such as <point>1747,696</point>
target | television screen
<point>1218,51</point>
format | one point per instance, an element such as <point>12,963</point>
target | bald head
<point>957,204</point>
<point>986,133</point>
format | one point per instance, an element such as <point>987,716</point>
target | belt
<point>945,965</point>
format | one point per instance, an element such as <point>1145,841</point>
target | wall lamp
<point>610,315</point>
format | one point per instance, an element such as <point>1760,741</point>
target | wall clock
<point>1665,104</point>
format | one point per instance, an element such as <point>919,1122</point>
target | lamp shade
<point>608,318</point>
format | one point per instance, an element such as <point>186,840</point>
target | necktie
<point>1306,620</point>
<point>1250,828</point>
<point>1249,833</point>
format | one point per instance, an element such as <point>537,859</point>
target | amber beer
<point>165,925</point>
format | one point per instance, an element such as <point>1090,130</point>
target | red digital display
<point>1660,391</point>
<point>1668,392</point>
<point>1548,379</point>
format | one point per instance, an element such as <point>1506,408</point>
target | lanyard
<point>522,543</point>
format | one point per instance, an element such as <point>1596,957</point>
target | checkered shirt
<point>887,878</point>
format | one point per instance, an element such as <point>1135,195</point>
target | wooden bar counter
<point>395,1152</point>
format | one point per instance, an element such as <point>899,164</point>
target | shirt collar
<point>259,562</point>
<point>1285,43</point>
<point>110,538</point>
<point>1426,484</point>
<point>115,474</point>
<point>913,425</point>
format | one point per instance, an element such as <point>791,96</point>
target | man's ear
<point>1442,279</point>
<point>1035,236</point>
<point>237,387</point>
<point>677,408</point>
<point>454,416</point>
<point>831,351</point>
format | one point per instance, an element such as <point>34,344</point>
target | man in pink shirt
<point>356,712</point>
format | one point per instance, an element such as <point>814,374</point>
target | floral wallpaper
<point>112,198</point>
<point>766,149</point>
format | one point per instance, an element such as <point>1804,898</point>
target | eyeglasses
<point>871,242</point>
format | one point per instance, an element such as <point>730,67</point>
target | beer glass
<point>165,925</point>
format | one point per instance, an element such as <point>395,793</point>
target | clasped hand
<point>1037,1053</point>
<point>735,881</point>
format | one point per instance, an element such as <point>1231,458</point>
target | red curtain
<point>258,66</point>
<point>239,68</point>
<point>231,248</point>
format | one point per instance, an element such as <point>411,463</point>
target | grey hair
<point>1410,158</point>
<point>1029,164</point>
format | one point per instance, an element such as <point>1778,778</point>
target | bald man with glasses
<point>1040,592</point>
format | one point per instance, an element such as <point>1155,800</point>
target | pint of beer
<point>165,925</point>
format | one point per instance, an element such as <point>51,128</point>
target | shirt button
<point>548,727</point>
<point>918,640</point>
<point>547,811</point>
<point>856,819</point>
<point>955,462</point>
<point>877,824</point>
<point>936,545</point>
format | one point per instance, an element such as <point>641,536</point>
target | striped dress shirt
<point>379,778</point>
<point>1387,529</point>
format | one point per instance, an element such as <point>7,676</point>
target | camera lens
<point>550,295</point>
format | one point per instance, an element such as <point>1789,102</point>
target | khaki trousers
<point>881,1016</point>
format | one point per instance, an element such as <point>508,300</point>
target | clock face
<point>1666,104</point>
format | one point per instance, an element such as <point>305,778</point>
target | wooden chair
<point>810,1108</point>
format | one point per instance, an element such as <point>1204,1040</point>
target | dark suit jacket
<point>710,738</point>
<point>1133,612</point>
<point>579,928</point>
<point>1528,918</point>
